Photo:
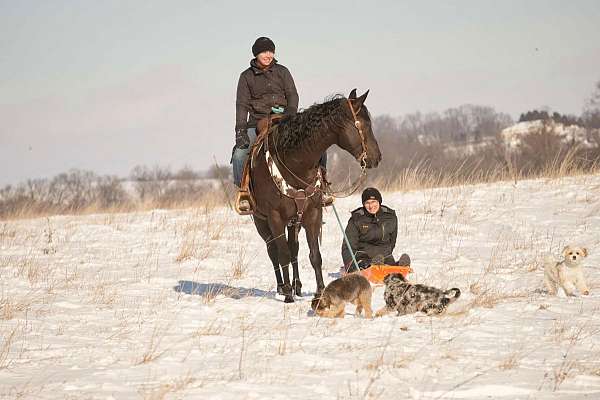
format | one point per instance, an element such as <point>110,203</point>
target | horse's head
<point>357,135</point>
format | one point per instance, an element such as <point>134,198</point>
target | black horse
<point>285,180</point>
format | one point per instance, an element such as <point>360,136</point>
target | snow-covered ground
<point>181,304</point>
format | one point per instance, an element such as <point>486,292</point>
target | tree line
<point>462,142</point>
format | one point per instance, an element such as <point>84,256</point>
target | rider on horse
<point>264,88</point>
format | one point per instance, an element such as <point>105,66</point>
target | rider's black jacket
<point>371,236</point>
<point>260,89</point>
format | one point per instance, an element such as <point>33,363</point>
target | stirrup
<point>243,203</point>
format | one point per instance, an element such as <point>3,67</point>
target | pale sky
<point>107,85</point>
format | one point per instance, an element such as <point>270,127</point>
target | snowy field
<point>181,304</point>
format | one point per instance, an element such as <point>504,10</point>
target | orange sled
<point>376,273</point>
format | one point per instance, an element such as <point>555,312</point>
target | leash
<point>345,237</point>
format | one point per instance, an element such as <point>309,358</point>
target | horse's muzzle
<point>373,161</point>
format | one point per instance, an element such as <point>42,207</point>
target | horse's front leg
<point>293,246</point>
<point>262,226</point>
<point>277,226</point>
<point>312,225</point>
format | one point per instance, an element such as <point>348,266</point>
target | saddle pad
<point>376,273</point>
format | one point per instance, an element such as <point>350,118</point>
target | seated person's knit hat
<point>371,193</point>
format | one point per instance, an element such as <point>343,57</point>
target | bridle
<point>362,159</point>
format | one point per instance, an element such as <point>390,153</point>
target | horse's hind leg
<point>293,245</point>
<point>265,232</point>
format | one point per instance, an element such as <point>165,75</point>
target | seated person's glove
<point>242,140</point>
<point>378,259</point>
<point>363,264</point>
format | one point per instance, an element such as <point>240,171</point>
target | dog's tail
<point>549,261</point>
<point>453,294</point>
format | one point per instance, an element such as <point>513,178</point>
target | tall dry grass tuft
<point>170,388</point>
<point>239,266</point>
<point>13,306</point>
<point>188,249</point>
<point>153,351</point>
<point>8,339</point>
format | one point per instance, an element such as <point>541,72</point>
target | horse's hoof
<point>280,290</point>
<point>286,290</point>
<point>297,287</point>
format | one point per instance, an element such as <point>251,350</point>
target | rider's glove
<point>242,140</point>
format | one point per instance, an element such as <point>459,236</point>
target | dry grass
<point>199,233</point>
<point>8,338</point>
<point>7,234</point>
<point>104,290</point>
<point>490,298</point>
<point>152,351</point>
<point>188,249</point>
<point>209,296</point>
<point>211,329</point>
<point>512,361</point>
<point>13,306</point>
<point>239,266</point>
<point>422,176</point>
<point>169,389</point>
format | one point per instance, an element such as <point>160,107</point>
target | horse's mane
<point>306,126</point>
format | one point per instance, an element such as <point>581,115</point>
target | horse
<point>286,181</point>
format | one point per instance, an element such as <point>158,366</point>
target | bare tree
<point>150,183</point>
<point>110,192</point>
<point>591,112</point>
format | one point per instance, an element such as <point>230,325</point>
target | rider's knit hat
<point>371,193</point>
<point>263,44</point>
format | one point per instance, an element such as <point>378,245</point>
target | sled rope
<point>345,237</point>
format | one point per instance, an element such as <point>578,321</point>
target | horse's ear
<point>360,101</point>
<point>352,95</point>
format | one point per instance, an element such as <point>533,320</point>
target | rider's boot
<point>243,202</point>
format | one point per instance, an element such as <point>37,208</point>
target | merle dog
<point>407,298</point>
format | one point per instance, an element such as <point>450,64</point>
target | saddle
<point>263,128</point>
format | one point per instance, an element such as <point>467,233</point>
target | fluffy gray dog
<point>407,298</point>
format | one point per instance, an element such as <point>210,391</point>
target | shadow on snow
<point>216,289</point>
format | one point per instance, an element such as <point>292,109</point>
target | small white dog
<point>567,273</point>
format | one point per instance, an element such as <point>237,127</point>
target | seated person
<point>372,231</point>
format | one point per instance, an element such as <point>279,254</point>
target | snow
<point>181,304</point>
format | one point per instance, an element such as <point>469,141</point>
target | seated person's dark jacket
<point>372,237</point>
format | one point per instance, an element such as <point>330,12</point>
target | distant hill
<point>569,134</point>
